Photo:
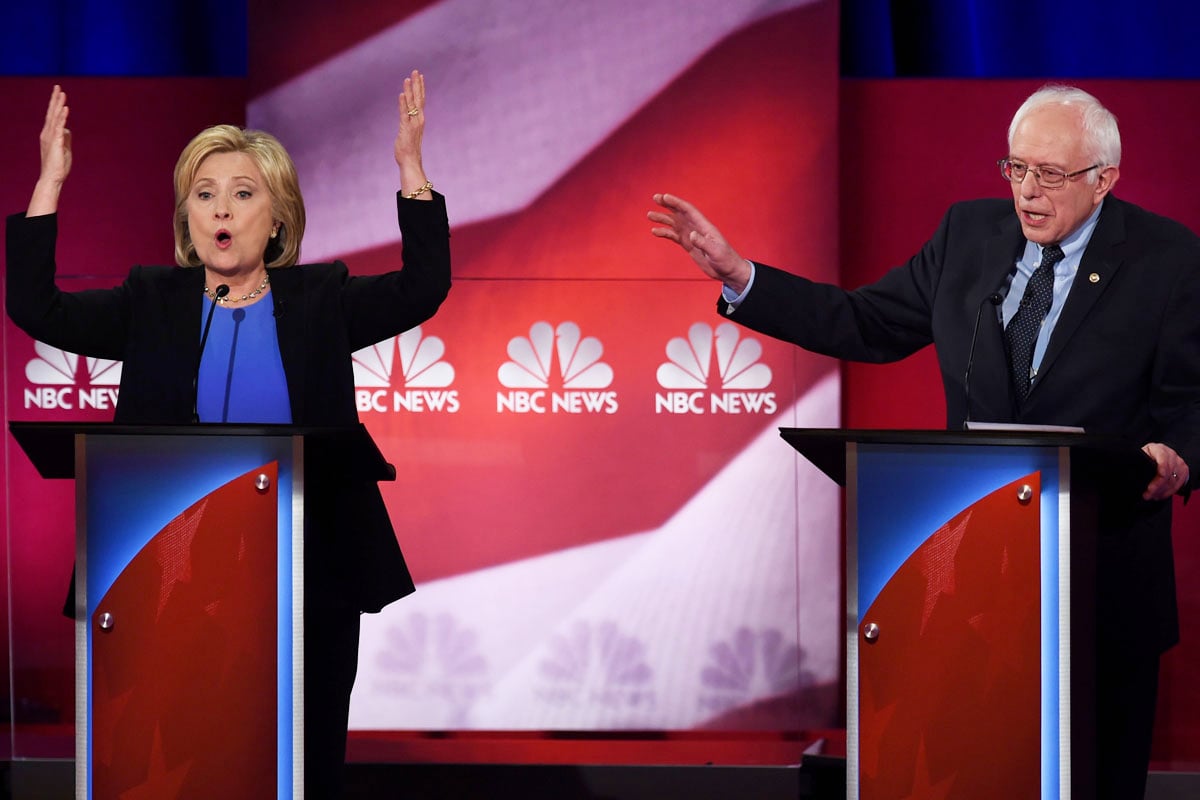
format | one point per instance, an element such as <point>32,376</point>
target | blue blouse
<point>241,371</point>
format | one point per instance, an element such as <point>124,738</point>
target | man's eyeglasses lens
<point>1048,177</point>
<point>1045,176</point>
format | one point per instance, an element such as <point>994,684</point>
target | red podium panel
<point>184,690</point>
<point>970,592</point>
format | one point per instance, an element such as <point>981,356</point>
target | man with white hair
<point>1085,309</point>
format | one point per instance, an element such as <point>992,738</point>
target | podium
<point>189,599</point>
<point>970,587</point>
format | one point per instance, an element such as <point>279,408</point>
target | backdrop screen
<point>605,528</point>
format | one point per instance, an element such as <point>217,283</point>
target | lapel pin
<point>1094,277</point>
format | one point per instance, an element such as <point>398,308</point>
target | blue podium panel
<point>189,615</point>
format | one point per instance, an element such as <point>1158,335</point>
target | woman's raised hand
<point>407,147</point>
<point>56,156</point>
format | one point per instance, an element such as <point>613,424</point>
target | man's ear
<point>1106,181</point>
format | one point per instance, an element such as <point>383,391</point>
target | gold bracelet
<point>414,195</point>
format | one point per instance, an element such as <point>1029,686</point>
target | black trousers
<point>1127,692</point>
<point>330,665</point>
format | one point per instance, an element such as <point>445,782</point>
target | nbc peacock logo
<point>714,371</point>
<point>579,385</point>
<point>59,382</point>
<point>421,384</point>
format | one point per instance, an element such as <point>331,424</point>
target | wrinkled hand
<point>407,146</point>
<point>56,139</point>
<point>56,156</point>
<point>683,224</point>
<point>1173,472</point>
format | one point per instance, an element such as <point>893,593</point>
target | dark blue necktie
<point>1022,332</point>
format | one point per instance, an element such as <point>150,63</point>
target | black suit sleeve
<point>1175,381</point>
<point>378,306</point>
<point>91,322</point>
<point>881,322</point>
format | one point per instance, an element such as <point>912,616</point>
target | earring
<point>274,232</point>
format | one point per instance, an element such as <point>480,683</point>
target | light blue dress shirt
<point>731,298</point>
<point>1064,276</point>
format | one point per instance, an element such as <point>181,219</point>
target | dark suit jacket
<point>1123,360</point>
<point>152,323</point>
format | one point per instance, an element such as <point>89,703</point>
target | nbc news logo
<point>584,377</point>
<point>732,388</point>
<point>425,375</point>
<point>55,379</point>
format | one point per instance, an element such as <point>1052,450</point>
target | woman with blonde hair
<point>239,221</point>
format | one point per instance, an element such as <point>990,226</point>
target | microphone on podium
<point>218,295</point>
<point>994,299</point>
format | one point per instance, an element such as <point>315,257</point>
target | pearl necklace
<point>227,299</point>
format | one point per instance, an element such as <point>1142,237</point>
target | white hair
<point>1101,137</point>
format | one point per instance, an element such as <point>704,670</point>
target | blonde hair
<point>278,171</point>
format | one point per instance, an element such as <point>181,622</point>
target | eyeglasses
<point>1046,177</point>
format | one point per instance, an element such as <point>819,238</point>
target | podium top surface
<point>826,447</point>
<point>51,445</point>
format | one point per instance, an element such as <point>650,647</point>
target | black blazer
<point>1123,360</point>
<point>152,323</point>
